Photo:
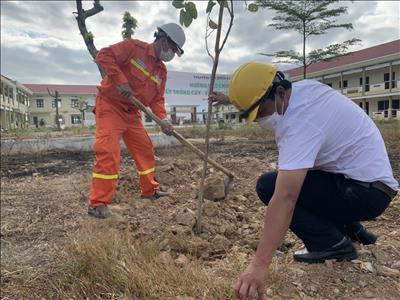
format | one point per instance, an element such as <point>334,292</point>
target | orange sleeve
<point>157,106</point>
<point>111,58</point>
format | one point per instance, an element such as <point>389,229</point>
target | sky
<point>41,43</point>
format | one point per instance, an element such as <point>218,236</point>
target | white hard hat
<point>175,33</point>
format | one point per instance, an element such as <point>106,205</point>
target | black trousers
<point>326,205</point>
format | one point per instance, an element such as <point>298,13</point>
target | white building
<point>72,98</point>
<point>370,77</point>
<point>14,104</point>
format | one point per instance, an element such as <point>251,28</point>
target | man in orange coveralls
<point>137,68</point>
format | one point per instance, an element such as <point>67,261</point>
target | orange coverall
<point>133,62</point>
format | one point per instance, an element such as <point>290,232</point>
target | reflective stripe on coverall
<point>133,62</point>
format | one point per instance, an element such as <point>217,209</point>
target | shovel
<point>228,182</point>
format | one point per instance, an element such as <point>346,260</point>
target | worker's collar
<point>152,50</point>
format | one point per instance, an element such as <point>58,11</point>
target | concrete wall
<point>14,147</point>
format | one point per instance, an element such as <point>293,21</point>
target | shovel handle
<point>179,137</point>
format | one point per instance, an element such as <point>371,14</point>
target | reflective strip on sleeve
<point>137,65</point>
<point>145,172</point>
<point>156,79</point>
<point>103,176</point>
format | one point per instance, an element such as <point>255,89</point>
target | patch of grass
<point>79,130</point>
<point>390,130</point>
<point>109,264</point>
<point>250,131</point>
<point>104,263</point>
<point>112,265</point>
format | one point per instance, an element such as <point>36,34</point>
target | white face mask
<point>272,121</point>
<point>167,55</point>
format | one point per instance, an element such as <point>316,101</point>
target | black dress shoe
<point>362,236</point>
<point>343,250</point>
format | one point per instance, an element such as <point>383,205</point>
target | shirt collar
<point>152,51</point>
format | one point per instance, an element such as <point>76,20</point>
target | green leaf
<point>185,18</point>
<point>178,4</point>
<point>191,9</point>
<point>188,20</point>
<point>212,24</point>
<point>181,16</point>
<point>88,37</point>
<point>252,7</point>
<point>210,6</point>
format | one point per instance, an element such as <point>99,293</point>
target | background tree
<point>129,24</point>
<point>56,102</point>
<point>308,18</point>
<point>82,106</point>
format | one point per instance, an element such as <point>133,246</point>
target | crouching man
<point>334,170</point>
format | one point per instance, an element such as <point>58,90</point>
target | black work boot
<point>101,212</point>
<point>158,194</point>
<point>343,250</point>
<point>359,233</point>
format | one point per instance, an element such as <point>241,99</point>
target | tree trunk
<point>207,139</point>
<point>57,115</point>
<point>83,118</point>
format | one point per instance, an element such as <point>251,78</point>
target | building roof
<point>62,88</point>
<point>355,57</point>
<point>15,83</point>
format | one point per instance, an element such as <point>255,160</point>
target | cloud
<point>40,40</point>
<point>66,66</point>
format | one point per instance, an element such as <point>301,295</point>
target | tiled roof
<point>357,56</point>
<point>62,88</point>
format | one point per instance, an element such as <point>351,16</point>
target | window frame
<point>41,101</point>
<point>53,103</point>
<point>73,119</point>
<point>73,102</point>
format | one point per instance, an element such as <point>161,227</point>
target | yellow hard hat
<point>248,84</point>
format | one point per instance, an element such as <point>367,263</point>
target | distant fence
<point>384,114</point>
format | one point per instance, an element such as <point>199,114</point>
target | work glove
<point>167,128</point>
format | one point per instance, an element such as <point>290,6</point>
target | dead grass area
<point>51,249</point>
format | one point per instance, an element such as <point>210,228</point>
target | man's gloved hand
<point>167,128</point>
<point>124,90</point>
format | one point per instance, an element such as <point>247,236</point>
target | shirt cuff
<point>296,166</point>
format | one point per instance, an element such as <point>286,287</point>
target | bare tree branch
<point>207,36</point>
<point>81,19</point>
<point>94,10</point>
<point>48,91</point>
<point>87,36</point>
<point>230,10</point>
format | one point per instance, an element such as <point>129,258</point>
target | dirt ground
<point>44,202</point>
